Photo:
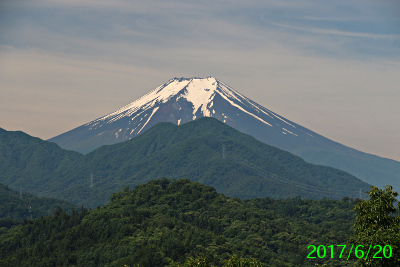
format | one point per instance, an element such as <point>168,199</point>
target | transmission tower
<point>91,180</point>
<point>30,212</point>
<point>223,152</point>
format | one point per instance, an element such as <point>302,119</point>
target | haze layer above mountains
<point>181,100</point>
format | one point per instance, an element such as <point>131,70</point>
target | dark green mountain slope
<point>166,221</point>
<point>28,162</point>
<point>17,206</point>
<point>210,152</point>
<point>207,151</point>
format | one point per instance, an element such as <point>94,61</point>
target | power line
<point>271,176</point>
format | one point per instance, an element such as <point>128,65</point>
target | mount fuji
<point>181,100</point>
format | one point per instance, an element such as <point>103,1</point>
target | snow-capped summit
<point>197,91</point>
<point>178,101</point>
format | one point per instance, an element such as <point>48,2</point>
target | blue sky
<point>331,66</point>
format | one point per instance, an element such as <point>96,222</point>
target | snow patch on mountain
<point>152,113</point>
<point>194,95</point>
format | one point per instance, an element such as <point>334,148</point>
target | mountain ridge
<point>181,100</point>
<point>205,150</point>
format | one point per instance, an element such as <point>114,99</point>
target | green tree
<point>200,261</point>
<point>378,224</point>
<point>234,261</point>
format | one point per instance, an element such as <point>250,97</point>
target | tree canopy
<point>378,225</point>
<point>164,222</point>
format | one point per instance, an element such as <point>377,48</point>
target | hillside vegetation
<point>29,163</point>
<point>164,222</point>
<point>21,205</point>
<point>205,150</point>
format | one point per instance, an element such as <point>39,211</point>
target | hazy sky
<point>331,66</point>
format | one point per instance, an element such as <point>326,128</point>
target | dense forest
<point>166,222</point>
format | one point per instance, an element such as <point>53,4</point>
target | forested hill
<point>205,150</point>
<point>21,205</point>
<point>166,221</point>
<point>28,162</point>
